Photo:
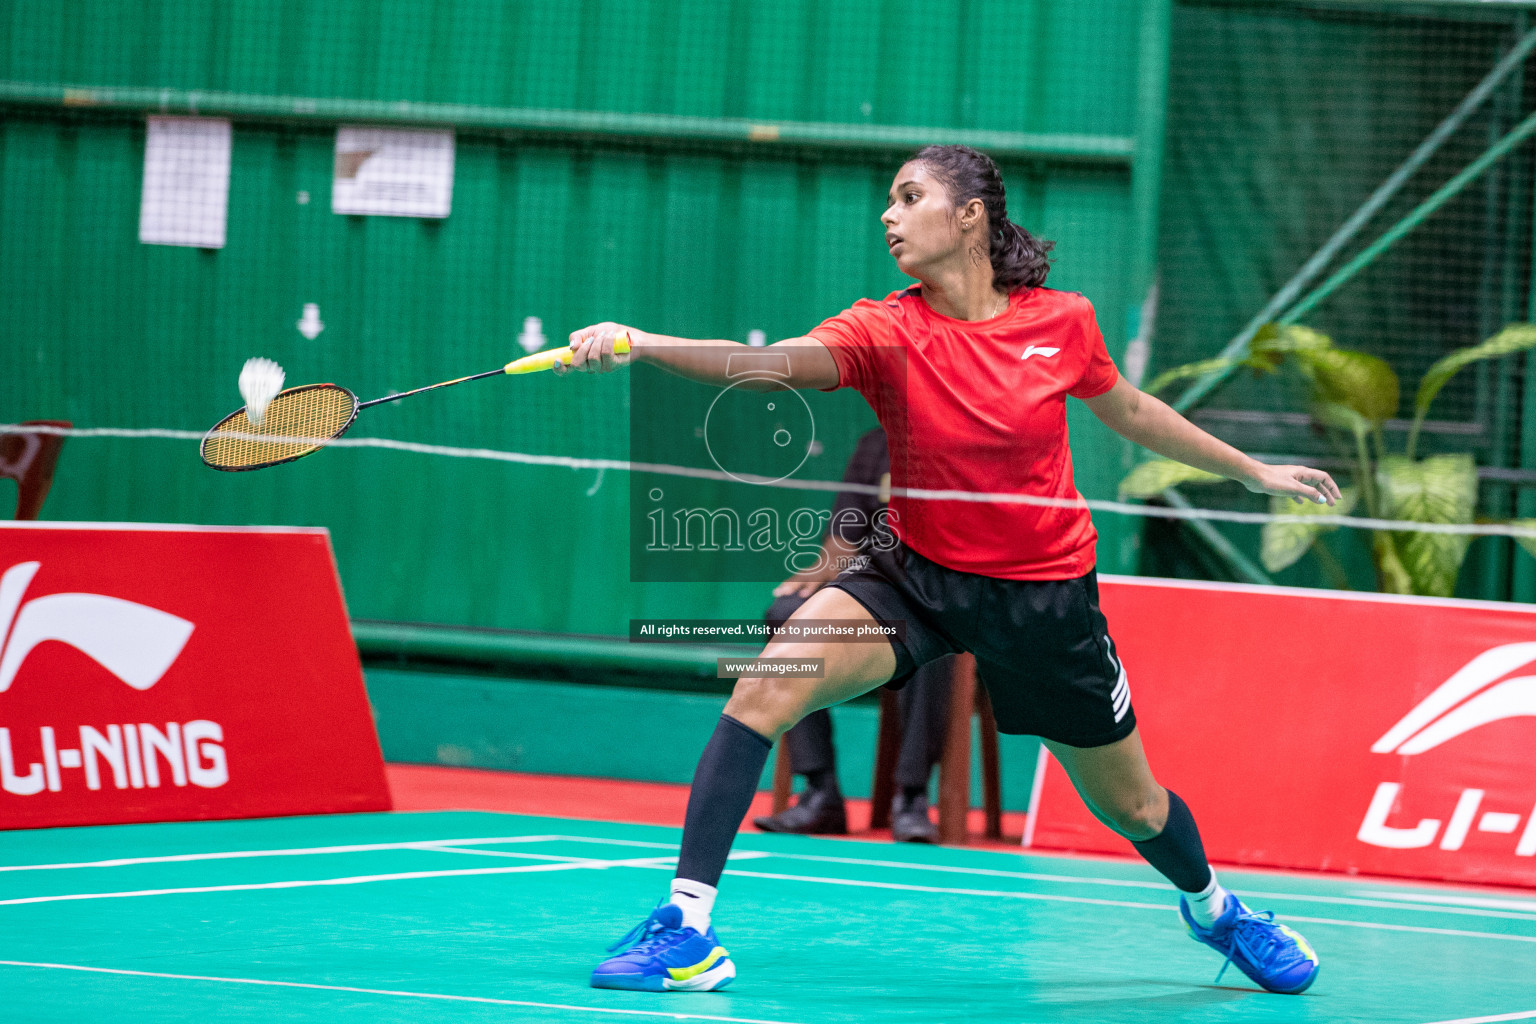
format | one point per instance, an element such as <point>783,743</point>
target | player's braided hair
<point>1019,259</point>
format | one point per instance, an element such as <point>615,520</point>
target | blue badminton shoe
<point>1274,957</point>
<point>661,955</point>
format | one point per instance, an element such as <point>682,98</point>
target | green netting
<point>1283,119</point>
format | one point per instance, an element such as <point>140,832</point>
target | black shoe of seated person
<point>910,822</point>
<point>816,812</point>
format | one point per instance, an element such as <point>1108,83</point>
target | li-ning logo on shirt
<point>1039,350</point>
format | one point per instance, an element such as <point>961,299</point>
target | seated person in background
<point>923,702</point>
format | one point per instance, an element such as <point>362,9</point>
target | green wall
<point>1008,64</point>
<point>699,239</point>
<point>649,735</point>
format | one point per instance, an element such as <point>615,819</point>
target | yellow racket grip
<point>546,360</point>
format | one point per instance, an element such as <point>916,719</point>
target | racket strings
<point>311,415</point>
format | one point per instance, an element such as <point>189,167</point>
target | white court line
<point>983,872</point>
<point>1088,880</point>
<point>299,851</point>
<point>490,853</point>
<point>670,1014</point>
<point>1464,901</point>
<point>617,842</point>
<point>1382,904</point>
<point>950,890</point>
<point>1456,905</point>
<point>568,865</point>
<point>1522,1015</point>
<point>665,863</point>
<point>1387,904</point>
<point>1419,929</point>
<point>1166,887</point>
<point>1052,898</point>
<point>733,855</point>
<point>1036,876</point>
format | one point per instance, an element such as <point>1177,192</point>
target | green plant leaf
<point>1286,338</point>
<point>1262,363</point>
<point>1528,543</point>
<point>1285,542</point>
<point>1150,479</point>
<point>1514,338</point>
<point>1196,369</point>
<point>1332,414</point>
<point>1440,489</point>
<point>1265,353</point>
<point>1356,380</point>
<point>1391,577</point>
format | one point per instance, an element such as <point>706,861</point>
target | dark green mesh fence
<point>1282,122</point>
<point>1283,119</point>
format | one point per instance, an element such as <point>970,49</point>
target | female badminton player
<point>968,370</point>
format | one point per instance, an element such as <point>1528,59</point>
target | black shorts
<point>1042,647</point>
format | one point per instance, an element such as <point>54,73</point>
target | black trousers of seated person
<point>923,704</point>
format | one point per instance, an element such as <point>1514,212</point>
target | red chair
<point>965,699</point>
<point>29,459</point>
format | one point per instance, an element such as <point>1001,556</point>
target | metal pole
<point>1147,169</point>
<point>1124,543</point>
<point>1100,150</point>
<point>1523,578</point>
<point>1524,130</point>
<point>1207,531</point>
<point>1383,194</point>
<point>1505,187</point>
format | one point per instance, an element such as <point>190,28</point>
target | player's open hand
<point>1299,482</point>
<point>592,349</point>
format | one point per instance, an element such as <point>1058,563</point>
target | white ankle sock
<point>697,901</point>
<point>1206,905</point>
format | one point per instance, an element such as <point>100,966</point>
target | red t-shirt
<point>979,406</point>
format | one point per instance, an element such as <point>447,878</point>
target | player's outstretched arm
<point>1151,423</point>
<point>806,360</point>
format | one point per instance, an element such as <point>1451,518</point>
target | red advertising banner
<point>1318,729</point>
<point>162,673</point>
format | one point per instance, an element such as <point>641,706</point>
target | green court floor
<point>470,917</point>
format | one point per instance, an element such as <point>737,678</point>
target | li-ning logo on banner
<point>1475,695</point>
<point>135,643</point>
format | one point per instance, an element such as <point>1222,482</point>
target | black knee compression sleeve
<point>1176,851</point>
<point>723,785</point>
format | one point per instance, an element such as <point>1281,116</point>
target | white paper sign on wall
<point>393,172</point>
<point>186,181</point>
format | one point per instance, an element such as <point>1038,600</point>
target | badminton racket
<point>300,421</point>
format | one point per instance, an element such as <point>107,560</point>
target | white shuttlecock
<point>260,381</point>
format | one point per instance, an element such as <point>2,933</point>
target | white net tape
<point>624,465</point>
